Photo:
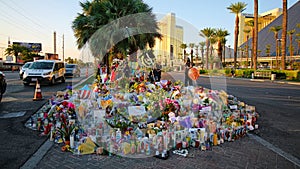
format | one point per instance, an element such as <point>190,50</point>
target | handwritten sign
<point>136,110</point>
<point>99,115</point>
<point>206,109</point>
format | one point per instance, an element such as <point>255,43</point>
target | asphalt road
<point>277,103</point>
<point>18,143</point>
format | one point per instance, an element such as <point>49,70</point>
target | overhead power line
<point>22,14</point>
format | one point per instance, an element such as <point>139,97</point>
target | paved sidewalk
<point>248,152</point>
<point>243,153</point>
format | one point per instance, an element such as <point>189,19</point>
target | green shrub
<point>215,71</point>
<point>292,74</point>
<point>287,74</point>
<point>227,71</point>
<point>203,71</point>
<point>248,73</point>
<point>239,73</point>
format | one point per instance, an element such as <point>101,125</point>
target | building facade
<point>167,49</point>
<point>264,19</point>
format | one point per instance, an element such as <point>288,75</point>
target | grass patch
<point>90,80</point>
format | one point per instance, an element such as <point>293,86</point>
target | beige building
<point>264,19</point>
<point>167,50</point>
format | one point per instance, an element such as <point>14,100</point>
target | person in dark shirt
<point>187,80</point>
<point>157,73</point>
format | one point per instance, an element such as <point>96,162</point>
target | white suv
<point>45,71</point>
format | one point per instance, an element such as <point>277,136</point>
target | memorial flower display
<point>141,119</point>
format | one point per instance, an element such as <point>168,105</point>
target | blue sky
<point>35,20</point>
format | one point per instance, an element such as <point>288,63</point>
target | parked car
<point>72,70</point>
<point>2,84</point>
<point>45,71</point>
<point>24,68</point>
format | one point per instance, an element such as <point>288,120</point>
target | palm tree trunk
<point>255,38</point>
<point>219,55</point>
<point>298,51</point>
<point>291,45</point>
<point>202,57</point>
<point>211,57</point>
<point>283,35</point>
<point>207,53</point>
<point>277,50</point>
<point>223,55</point>
<point>247,51</point>
<point>236,34</point>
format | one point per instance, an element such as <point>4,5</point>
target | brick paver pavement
<point>243,153</point>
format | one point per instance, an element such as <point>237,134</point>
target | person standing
<point>127,70</point>
<point>187,79</point>
<point>157,73</point>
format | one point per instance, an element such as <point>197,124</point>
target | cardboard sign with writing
<point>99,115</point>
<point>136,110</point>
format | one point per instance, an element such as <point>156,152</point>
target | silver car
<point>24,68</point>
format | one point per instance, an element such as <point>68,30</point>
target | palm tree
<point>298,40</point>
<point>290,33</point>
<point>223,42</point>
<point>213,41</point>
<point>196,48</point>
<point>202,45</point>
<point>276,29</point>
<point>236,8</point>
<point>183,46</point>
<point>191,45</point>
<point>255,37</point>
<point>268,47</point>
<point>283,33</point>
<point>247,31</point>
<point>17,50</point>
<point>207,33</point>
<point>250,24</point>
<point>110,27</point>
<point>220,35</point>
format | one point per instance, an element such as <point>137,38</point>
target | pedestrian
<point>126,70</point>
<point>151,76</point>
<point>232,72</point>
<point>187,80</point>
<point>157,73</point>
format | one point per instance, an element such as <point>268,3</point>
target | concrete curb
<point>38,156</point>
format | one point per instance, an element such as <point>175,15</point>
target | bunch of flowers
<point>169,106</point>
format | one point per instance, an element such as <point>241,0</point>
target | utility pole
<point>54,42</point>
<point>63,47</point>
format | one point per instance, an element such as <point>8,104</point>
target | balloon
<point>194,73</point>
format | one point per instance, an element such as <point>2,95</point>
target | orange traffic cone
<point>38,92</point>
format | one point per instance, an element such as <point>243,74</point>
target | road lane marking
<point>11,115</point>
<point>285,155</point>
<point>9,99</point>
